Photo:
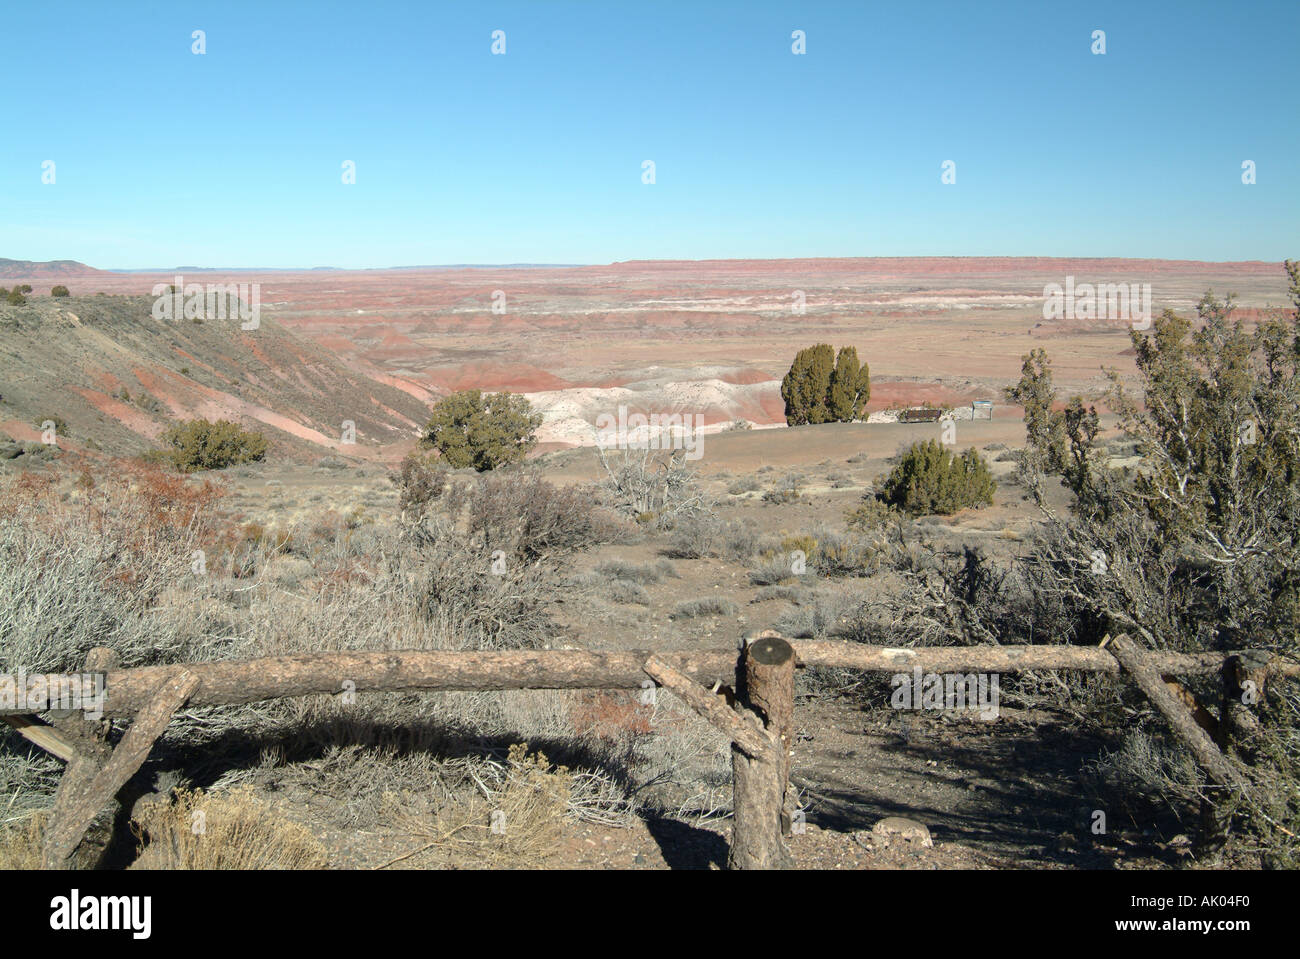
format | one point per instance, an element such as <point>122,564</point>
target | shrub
<point>786,490</point>
<point>709,606</point>
<point>239,832</point>
<point>746,484</point>
<point>624,591</point>
<point>826,615</point>
<point>530,517</point>
<point>95,570</point>
<point>776,569</point>
<point>652,489</point>
<point>930,479</point>
<point>418,483</point>
<point>632,573</point>
<point>14,298</point>
<point>60,424</point>
<point>870,514</point>
<point>695,537</point>
<point>740,540</point>
<point>59,291</point>
<point>485,432</point>
<point>487,603</point>
<point>201,445</point>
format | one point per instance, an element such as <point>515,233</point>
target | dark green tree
<point>806,387</point>
<point>850,386</point>
<point>470,428</point>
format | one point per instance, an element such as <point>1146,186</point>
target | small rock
<point>908,830</point>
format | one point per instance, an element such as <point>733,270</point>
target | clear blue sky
<point>233,158</point>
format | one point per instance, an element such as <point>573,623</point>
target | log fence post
<point>760,783</point>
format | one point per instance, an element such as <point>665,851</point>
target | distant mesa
<point>34,269</point>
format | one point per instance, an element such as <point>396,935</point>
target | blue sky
<point>233,158</point>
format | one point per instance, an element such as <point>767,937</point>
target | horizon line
<point>627,262</point>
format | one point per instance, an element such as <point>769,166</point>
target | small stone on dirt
<point>906,829</point>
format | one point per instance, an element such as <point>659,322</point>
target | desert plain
<point>707,339</point>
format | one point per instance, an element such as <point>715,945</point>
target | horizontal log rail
<point>229,683</point>
<point>755,717</point>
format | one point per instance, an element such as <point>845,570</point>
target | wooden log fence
<point>758,720</point>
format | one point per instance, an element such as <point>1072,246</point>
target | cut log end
<point>770,651</point>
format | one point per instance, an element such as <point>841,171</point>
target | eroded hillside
<point>117,376</point>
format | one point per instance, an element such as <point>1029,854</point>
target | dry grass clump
<point>623,591</point>
<point>703,536</point>
<point>21,841</point>
<point>746,484</point>
<point>708,606</point>
<point>234,831</point>
<point>28,775</point>
<point>513,820</point>
<point>776,570</point>
<point>643,575</point>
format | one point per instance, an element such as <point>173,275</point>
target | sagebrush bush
<point>419,482</point>
<point>746,484</point>
<point>930,479</point>
<point>534,519</point>
<point>708,606</point>
<point>695,537</point>
<point>96,570</point>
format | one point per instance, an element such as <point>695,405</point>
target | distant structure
<point>920,415</point>
<point>981,409</point>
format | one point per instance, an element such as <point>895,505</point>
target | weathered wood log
<point>89,740</point>
<point>767,686</point>
<point>41,734</point>
<point>1003,659</point>
<point>69,823</point>
<point>745,731</point>
<point>1206,752</point>
<point>759,782</point>
<point>276,677</point>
